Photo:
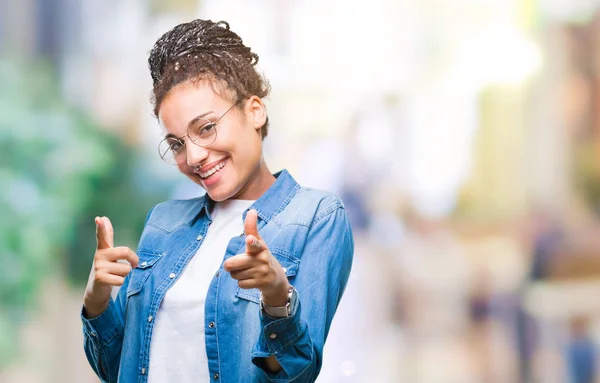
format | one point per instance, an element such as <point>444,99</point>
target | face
<point>232,166</point>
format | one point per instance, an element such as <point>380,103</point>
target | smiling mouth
<point>212,171</point>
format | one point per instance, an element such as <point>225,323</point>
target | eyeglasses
<point>200,131</point>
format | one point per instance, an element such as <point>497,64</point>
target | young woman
<point>239,285</point>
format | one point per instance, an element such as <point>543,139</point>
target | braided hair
<point>205,50</point>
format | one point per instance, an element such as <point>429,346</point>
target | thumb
<point>104,233</point>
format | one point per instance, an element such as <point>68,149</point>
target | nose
<point>195,154</point>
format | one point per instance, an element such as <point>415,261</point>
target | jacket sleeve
<point>297,341</point>
<point>103,335</point>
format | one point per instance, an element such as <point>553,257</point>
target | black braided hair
<point>205,50</point>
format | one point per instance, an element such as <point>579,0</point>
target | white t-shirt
<point>177,347</point>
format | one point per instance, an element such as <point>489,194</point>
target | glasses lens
<point>203,132</point>
<point>172,151</point>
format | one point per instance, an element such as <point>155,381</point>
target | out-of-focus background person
<point>463,137</point>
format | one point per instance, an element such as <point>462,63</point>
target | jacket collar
<point>271,203</point>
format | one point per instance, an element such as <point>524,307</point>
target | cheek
<point>244,145</point>
<point>249,151</point>
<point>241,144</point>
<point>184,169</point>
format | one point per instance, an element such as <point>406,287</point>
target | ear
<point>256,111</point>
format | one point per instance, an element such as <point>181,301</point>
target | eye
<point>206,129</point>
<point>176,146</point>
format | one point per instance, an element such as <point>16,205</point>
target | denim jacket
<point>305,229</point>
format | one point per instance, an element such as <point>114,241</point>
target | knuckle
<point>245,284</point>
<point>99,255</point>
<point>261,285</point>
<point>103,262</point>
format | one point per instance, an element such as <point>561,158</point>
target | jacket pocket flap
<point>286,260</point>
<point>139,275</point>
<point>147,258</point>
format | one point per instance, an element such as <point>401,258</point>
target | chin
<point>223,190</point>
<point>216,197</point>
<point>220,194</point>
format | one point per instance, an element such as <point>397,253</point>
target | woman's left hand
<point>258,268</point>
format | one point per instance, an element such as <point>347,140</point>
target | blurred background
<point>463,137</point>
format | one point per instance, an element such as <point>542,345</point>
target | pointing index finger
<point>254,245</point>
<point>251,223</point>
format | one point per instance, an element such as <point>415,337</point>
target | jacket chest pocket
<point>290,265</point>
<point>139,275</point>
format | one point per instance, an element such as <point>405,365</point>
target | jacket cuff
<point>280,337</point>
<point>103,328</point>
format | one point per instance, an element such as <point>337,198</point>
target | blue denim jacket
<point>306,230</point>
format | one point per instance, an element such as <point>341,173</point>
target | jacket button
<point>143,371</point>
<point>216,376</point>
<point>272,335</point>
<point>150,318</point>
<point>199,237</point>
<point>172,275</point>
<point>211,325</point>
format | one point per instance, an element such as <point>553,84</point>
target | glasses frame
<point>194,141</point>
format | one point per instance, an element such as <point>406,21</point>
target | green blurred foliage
<point>58,170</point>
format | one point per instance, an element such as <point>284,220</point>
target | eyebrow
<point>192,121</point>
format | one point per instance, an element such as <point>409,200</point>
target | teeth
<point>213,170</point>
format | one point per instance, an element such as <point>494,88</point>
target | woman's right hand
<point>106,270</point>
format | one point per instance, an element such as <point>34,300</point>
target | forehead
<point>185,102</point>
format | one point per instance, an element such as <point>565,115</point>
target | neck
<point>260,181</point>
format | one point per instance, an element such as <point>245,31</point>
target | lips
<point>213,170</point>
<point>210,169</point>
